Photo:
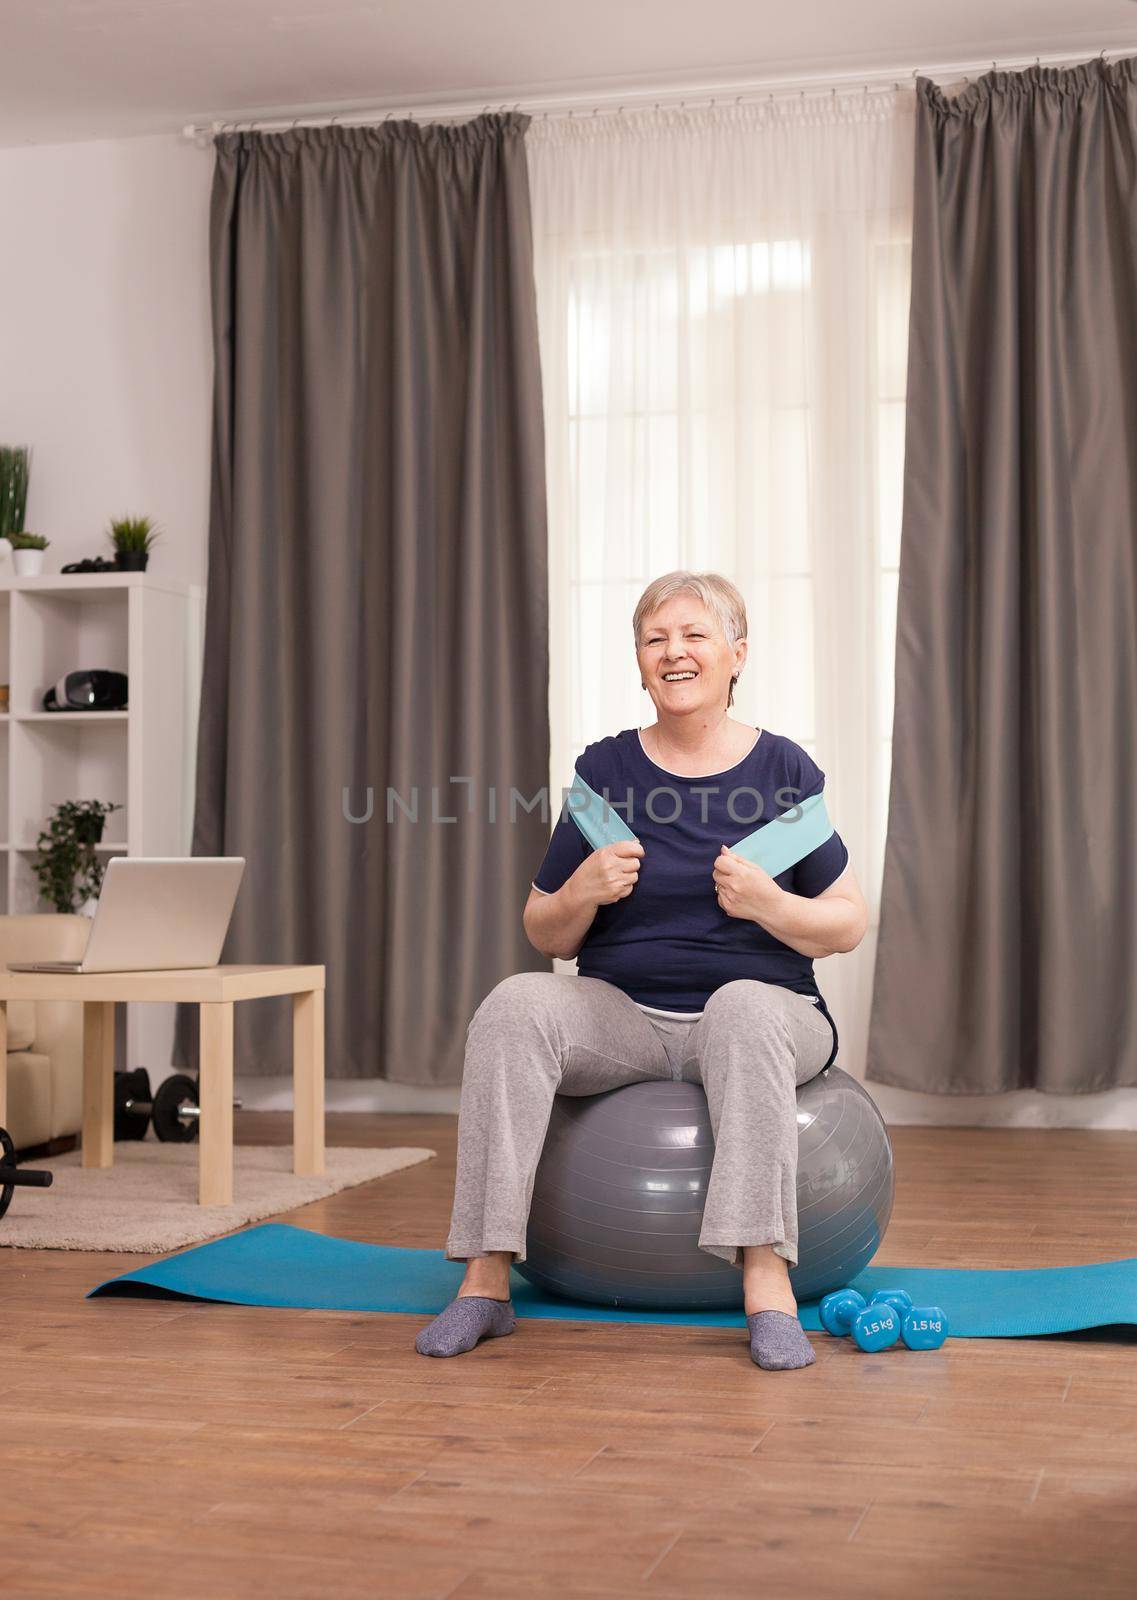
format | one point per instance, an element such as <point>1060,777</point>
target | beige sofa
<point>45,1039</point>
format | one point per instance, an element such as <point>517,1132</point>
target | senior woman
<point>692,963</point>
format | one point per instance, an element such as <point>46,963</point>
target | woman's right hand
<point>610,873</point>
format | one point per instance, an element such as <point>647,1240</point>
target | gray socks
<point>460,1325</point>
<point>777,1340</point>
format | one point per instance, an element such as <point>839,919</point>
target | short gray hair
<point>721,597</point>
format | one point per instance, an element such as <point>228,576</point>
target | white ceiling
<point>96,69</point>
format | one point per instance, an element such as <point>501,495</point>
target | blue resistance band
<point>594,815</point>
<point>776,846</point>
<point>779,845</point>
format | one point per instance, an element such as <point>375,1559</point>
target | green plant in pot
<point>133,539</point>
<point>15,470</point>
<point>69,872</point>
<point>27,553</point>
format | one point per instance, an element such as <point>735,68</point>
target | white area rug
<point>147,1202</point>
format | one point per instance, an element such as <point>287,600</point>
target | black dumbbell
<point>132,1098</point>
<point>177,1110</point>
<point>13,1177</point>
<point>175,1107</point>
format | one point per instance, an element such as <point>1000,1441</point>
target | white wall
<point>106,370</point>
<point>104,341</point>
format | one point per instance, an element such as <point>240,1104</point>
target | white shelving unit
<point>142,758</point>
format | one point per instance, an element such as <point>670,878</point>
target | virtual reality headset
<point>95,690</point>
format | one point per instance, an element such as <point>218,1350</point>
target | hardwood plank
<point>1006,1554</point>
<point>547,1539</point>
<point>1092,1491</point>
<point>771,1483</point>
<point>685,1432</point>
<point>136,1562</point>
<point>1118,1390</point>
<point>761,1394</point>
<point>957,1441</point>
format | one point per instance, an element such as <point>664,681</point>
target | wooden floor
<point>172,1449</point>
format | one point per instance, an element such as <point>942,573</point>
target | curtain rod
<point>641,99</point>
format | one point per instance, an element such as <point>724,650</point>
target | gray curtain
<point>1007,956</point>
<point>377,611</point>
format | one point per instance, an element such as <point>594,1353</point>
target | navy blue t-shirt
<point>669,944</point>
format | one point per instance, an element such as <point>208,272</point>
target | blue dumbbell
<point>924,1328</point>
<point>876,1327</point>
<point>899,1299</point>
<point>838,1309</point>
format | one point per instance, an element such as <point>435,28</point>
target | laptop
<point>156,913</point>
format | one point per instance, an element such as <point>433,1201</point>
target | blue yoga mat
<point>279,1265</point>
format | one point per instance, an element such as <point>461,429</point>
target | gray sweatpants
<point>543,1033</point>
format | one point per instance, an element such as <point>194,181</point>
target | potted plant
<point>15,469</point>
<point>27,553</point>
<point>70,873</point>
<point>133,538</point>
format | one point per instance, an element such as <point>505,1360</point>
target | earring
<point>642,684</point>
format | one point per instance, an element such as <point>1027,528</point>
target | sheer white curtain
<point>723,304</point>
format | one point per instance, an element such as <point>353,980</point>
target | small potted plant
<point>133,538</point>
<point>27,553</point>
<point>15,469</point>
<point>70,873</point>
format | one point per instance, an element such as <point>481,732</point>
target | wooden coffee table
<point>215,991</point>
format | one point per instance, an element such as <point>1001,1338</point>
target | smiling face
<point>685,660</point>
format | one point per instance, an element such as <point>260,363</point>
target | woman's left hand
<point>742,888</point>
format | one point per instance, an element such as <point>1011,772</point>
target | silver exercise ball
<point>619,1190</point>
